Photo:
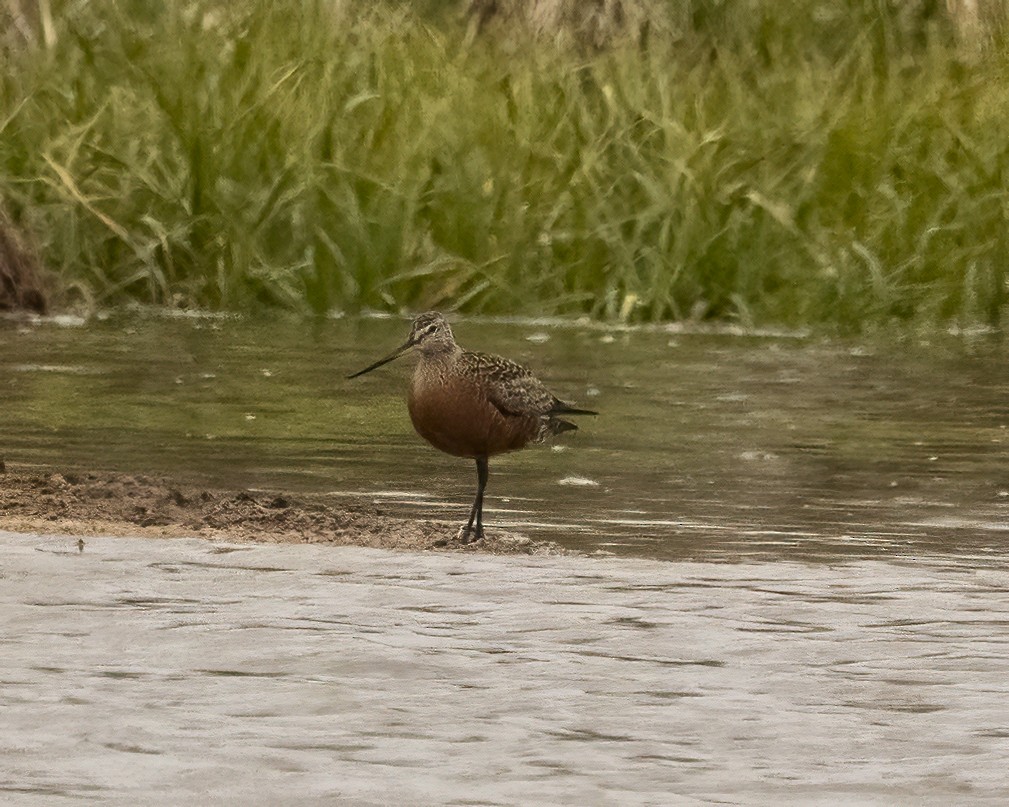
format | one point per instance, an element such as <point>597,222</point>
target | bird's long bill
<point>394,355</point>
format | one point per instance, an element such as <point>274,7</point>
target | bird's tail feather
<point>558,426</point>
<point>561,408</point>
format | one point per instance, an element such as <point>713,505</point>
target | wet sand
<point>106,503</point>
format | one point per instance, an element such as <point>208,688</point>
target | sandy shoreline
<point>108,503</point>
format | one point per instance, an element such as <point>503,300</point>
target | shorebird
<point>473,404</point>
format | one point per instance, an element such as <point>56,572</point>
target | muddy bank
<point>105,503</point>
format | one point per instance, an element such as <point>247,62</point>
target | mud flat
<point>105,503</point>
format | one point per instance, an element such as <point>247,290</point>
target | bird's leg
<point>476,514</point>
<point>469,524</point>
<point>482,474</point>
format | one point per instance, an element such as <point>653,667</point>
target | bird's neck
<point>443,353</point>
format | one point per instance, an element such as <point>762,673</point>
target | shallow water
<point>707,445</point>
<point>173,671</point>
<point>817,613</point>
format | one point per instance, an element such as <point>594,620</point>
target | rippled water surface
<point>177,671</point>
<point>706,444</point>
<point>810,603</point>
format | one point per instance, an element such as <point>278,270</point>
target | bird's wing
<point>510,387</point>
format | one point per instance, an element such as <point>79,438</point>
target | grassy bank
<point>839,166</point>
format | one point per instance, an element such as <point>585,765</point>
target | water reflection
<point>726,444</point>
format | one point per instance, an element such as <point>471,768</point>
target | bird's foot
<point>469,535</point>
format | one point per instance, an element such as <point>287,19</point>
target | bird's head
<point>430,334</point>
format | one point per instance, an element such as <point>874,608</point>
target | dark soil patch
<point>105,503</point>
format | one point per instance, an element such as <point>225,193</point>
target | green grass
<point>842,166</point>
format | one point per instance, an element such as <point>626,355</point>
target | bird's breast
<point>454,414</point>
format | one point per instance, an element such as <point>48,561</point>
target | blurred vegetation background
<point>839,164</point>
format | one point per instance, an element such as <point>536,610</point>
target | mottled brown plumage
<point>474,404</point>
